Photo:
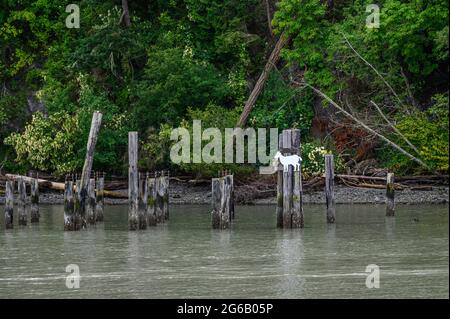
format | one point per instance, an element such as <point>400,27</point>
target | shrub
<point>428,131</point>
<point>47,143</point>
<point>313,162</point>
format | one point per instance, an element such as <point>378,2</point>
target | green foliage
<point>313,162</point>
<point>283,106</point>
<point>428,131</point>
<point>155,149</point>
<point>172,83</point>
<point>47,143</point>
<point>187,59</point>
<point>410,40</point>
<point>57,143</point>
<point>213,117</point>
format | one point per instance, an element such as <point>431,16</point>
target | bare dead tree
<point>271,62</point>
<point>269,16</point>
<point>364,125</point>
<point>125,13</point>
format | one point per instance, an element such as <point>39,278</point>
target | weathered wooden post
<point>69,205</point>
<point>225,208</point>
<point>91,202</point>
<point>230,181</point>
<point>165,183</point>
<point>151,199</point>
<point>9,204</point>
<point>100,198</point>
<point>80,210</point>
<point>216,198</point>
<point>289,183</point>
<point>159,205</point>
<point>279,211</point>
<point>21,203</point>
<point>142,203</point>
<point>221,200</point>
<point>297,192</point>
<point>329,188</point>
<point>34,200</point>
<point>390,195</point>
<point>133,218</point>
<point>76,220</point>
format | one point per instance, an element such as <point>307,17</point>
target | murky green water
<point>186,259</point>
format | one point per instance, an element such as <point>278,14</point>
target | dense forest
<point>373,95</point>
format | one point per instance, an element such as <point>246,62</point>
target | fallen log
<point>60,186</point>
<point>375,178</point>
<point>42,182</point>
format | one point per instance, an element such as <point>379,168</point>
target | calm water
<point>186,259</point>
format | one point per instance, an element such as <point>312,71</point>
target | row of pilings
<point>79,213</point>
<point>289,210</point>
<point>25,203</point>
<point>149,202</point>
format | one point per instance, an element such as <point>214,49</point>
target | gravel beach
<point>181,193</point>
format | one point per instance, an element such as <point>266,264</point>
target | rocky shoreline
<point>182,193</point>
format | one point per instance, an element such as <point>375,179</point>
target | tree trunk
<point>126,13</point>
<point>273,60</point>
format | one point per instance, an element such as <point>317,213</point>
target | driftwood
<point>61,186</point>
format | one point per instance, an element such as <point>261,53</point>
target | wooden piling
<point>151,199</point>
<point>297,190</point>
<point>158,200</point>
<point>232,196</point>
<point>80,210</point>
<point>160,193</point>
<point>287,198</point>
<point>287,180</point>
<point>222,202</point>
<point>91,203</point>
<point>390,195</point>
<point>279,210</point>
<point>100,198</point>
<point>289,184</point>
<point>69,205</point>
<point>133,218</point>
<point>165,186</point>
<point>9,204</point>
<point>329,188</point>
<point>34,201</point>
<point>21,202</point>
<point>142,204</point>
<point>225,212</point>
<point>216,198</point>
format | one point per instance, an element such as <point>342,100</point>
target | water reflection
<point>185,258</point>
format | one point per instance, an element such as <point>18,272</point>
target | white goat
<point>293,160</point>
